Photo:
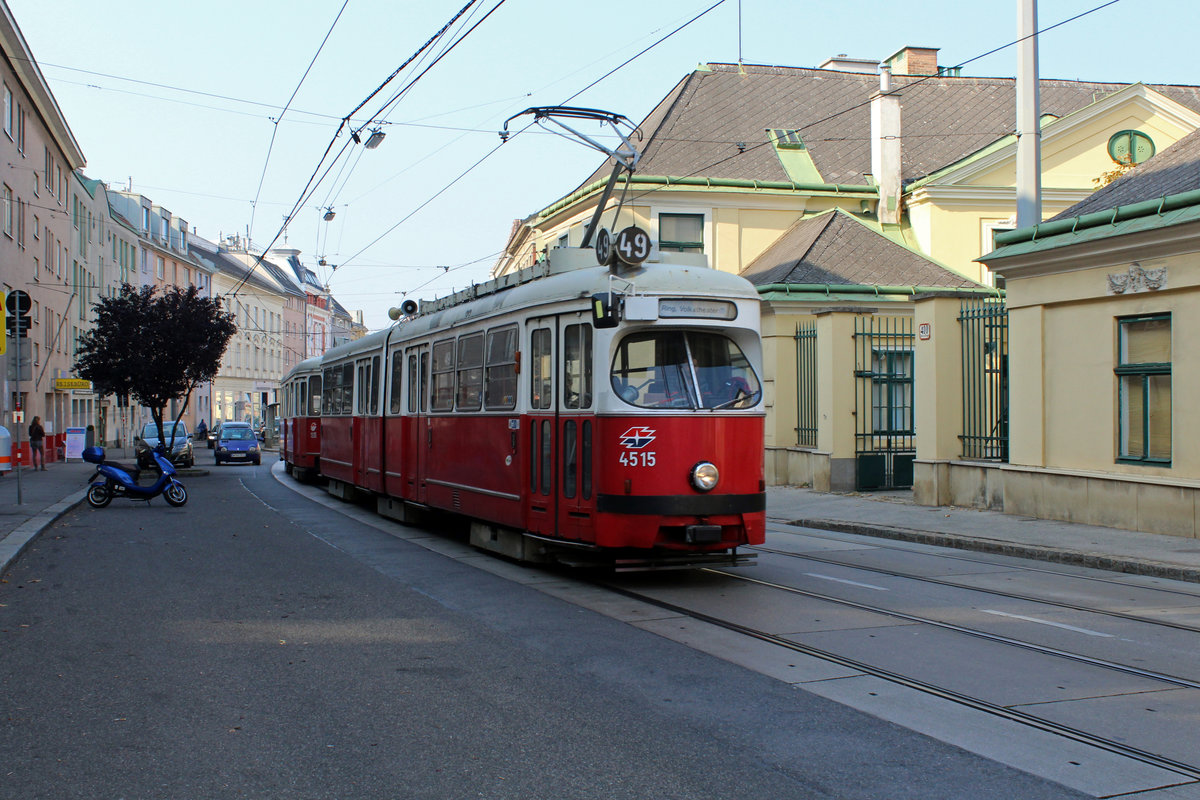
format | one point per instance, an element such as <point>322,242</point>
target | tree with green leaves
<point>155,346</point>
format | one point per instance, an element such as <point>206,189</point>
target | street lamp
<point>375,139</point>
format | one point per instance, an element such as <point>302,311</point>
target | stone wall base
<point>1107,500</point>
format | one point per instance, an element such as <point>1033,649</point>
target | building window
<point>8,111</point>
<point>21,133</point>
<point>159,270</point>
<point>681,233</point>
<point>1144,389</point>
<point>8,211</point>
<point>891,392</point>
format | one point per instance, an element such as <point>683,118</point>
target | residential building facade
<point>38,154</point>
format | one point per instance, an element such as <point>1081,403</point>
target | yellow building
<point>1102,303</point>
<point>735,156</point>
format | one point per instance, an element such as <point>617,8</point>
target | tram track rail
<point>955,554</point>
<point>1078,735</point>
<point>994,592</point>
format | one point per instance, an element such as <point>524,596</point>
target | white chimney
<point>885,147</point>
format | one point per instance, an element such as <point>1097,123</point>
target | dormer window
<point>787,139</point>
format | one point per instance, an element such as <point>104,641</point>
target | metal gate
<point>884,439</point>
<point>984,325</point>
<point>806,384</point>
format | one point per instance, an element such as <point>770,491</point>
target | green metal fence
<point>884,440</point>
<point>806,384</point>
<point>985,379</point>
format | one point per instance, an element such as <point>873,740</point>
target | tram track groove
<point>1191,771</point>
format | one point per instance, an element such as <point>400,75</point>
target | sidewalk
<point>49,494</point>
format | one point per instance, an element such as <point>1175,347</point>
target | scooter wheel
<point>176,495</point>
<point>99,496</point>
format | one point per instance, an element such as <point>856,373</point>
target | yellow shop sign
<point>62,384</point>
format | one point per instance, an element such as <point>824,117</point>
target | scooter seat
<point>133,470</point>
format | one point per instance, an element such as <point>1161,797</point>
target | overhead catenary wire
<point>526,128</point>
<point>286,106</point>
<point>309,186</point>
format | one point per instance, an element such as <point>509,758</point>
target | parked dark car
<point>213,433</point>
<point>180,448</point>
<point>236,441</point>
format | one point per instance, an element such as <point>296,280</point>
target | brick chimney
<point>913,61</point>
<point>885,147</point>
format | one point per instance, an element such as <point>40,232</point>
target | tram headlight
<point>705,476</point>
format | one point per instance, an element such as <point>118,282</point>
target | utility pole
<point>1029,134</point>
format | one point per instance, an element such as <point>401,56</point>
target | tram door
<point>541,425</point>
<point>416,421</point>
<point>559,426</point>
<point>575,427</point>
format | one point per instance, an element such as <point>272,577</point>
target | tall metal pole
<point>1029,142</point>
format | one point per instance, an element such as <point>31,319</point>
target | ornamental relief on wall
<point>1137,279</point>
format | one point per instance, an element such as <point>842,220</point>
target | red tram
<point>571,414</point>
<point>300,432</point>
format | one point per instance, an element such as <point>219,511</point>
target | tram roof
<point>567,274</point>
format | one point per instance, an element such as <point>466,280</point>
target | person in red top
<point>37,438</point>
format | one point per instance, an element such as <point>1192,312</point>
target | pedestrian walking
<point>37,439</point>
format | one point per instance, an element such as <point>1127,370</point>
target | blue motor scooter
<point>112,479</point>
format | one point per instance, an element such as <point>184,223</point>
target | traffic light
<point>17,304</point>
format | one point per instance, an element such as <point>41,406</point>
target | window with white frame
<point>8,111</point>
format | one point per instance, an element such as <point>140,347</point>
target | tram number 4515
<point>637,458</point>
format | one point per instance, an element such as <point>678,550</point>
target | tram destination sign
<point>689,308</point>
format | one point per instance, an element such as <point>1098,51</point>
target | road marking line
<point>843,580</point>
<point>1047,622</point>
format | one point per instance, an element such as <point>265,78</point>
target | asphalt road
<point>254,644</point>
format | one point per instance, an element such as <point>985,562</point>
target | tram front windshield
<point>684,369</point>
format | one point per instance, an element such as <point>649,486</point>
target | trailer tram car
<point>572,414</point>
<point>300,410</point>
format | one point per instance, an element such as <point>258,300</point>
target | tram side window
<point>413,386</point>
<point>314,396</point>
<point>364,381</point>
<point>339,385</point>
<point>376,378</point>
<point>443,376</point>
<point>346,404</point>
<point>501,377</point>
<point>577,366</point>
<point>395,384</point>
<point>540,369</point>
<point>470,372</point>
<point>332,380</point>
<point>424,382</point>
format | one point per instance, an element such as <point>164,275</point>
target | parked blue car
<point>236,441</point>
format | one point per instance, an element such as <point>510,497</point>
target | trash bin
<point>6,454</point>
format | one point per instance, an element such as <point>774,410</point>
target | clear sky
<point>179,101</point>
